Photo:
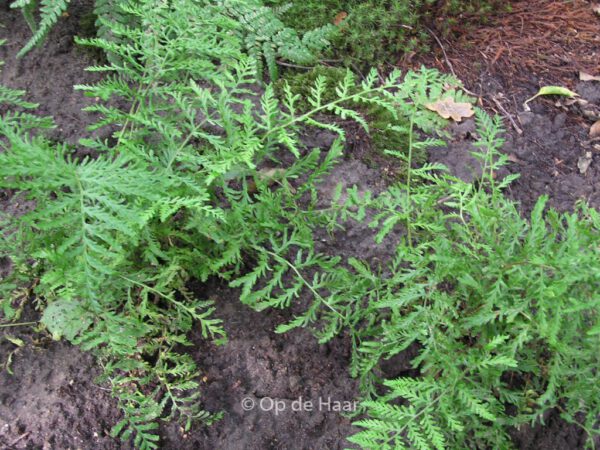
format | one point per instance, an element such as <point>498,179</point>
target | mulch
<point>553,39</point>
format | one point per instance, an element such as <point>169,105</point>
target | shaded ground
<point>257,368</point>
<point>540,43</point>
<point>50,72</point>
<point>52,401</point>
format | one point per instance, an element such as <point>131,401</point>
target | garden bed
<point>52,402</point>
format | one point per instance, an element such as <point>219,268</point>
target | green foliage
<point>206,176</point>
<point>50,12</point>
<point>265,37</point>
<point>108,13</point>
<point>179,192</point>
<point>382,134</point>
<point>373,32</point>
<point>300,83</point>
<point>504,316</point>
<point>379,32</point>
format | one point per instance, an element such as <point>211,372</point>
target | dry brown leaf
<point>271,174</point>
<point>587,77</point>
<point>339,17</point>
<point>584,162</point>
<point>595,129</point>
<point>448,108</point>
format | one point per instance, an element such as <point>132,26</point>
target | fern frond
<point>50,13</point>
<point>267,38</point>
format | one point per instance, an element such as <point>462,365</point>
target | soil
<point>260,367</point>
<point>53,401</point>
<point>49,73</point>
<point>538,43</point>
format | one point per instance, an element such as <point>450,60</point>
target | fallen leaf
<point>557,90</point>
<point>587,77</point>
<point>271,174</point>
<point>553,90</point>
<point>513,158</point>
<point>595,129</point>
<point>339,17</point>
<point>18,342</point>
<point>576,101</point>
<point>584,162</point>
<point>448,108</point>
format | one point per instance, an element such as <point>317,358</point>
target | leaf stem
<point>21,324</point>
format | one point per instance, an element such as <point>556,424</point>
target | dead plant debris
<point>555,39</point>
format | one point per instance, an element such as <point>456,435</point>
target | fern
<point>206,176</point>
<point>109,14</point>
<point>27,8</point>
<point>479,292</point>
<point>117,237</point>
<point>50,12</point>
<point>266,37</point>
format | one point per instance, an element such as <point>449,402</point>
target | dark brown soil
<point>50,72</point>
<point>546,154</point>
<point>257,368</point>
<point>540,43</point>
<point>53,402</point>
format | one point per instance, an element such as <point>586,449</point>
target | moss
<point>376,32</point>
<point>383,138</point>
<point>301,83</point>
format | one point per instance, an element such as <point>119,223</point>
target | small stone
<point>526,118</point>
<point>559,121</point>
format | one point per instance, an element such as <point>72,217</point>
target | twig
<point>357,70</point>
<point>506,114</point>
<point>448,63</point>
<point>295,66</point>
<point>6,325</point>
<point>443,200</point>
<point>14,442</point>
